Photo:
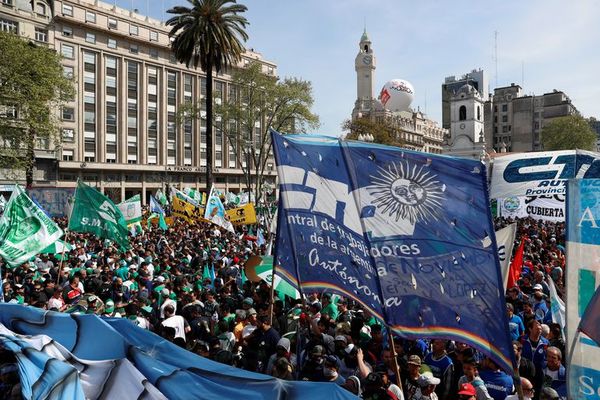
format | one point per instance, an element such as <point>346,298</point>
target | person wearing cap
<point>540,308</point>
<point>339,343</point>
<point>109,309</point>
<point>312,370</point>
<point>471,377</point>
<point>538,279</point>
<point>283,349</point>
<point>441,366</point>
<point>331,368</point>
<point>411,383</point>
<point>466,391</point>
<point>427,384</point>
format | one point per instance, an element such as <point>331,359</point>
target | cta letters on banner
<point>541,173</point>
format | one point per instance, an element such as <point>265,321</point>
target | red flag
<point>516,266</point>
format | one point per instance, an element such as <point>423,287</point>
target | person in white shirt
<point>176,322</point>
<point>56,301</point>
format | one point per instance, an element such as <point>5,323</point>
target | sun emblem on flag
<point>407,192</point>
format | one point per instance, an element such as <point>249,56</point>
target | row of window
<point>90,37</point>
<point>113,23</point>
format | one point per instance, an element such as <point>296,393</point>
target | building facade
<point>412,128</point>
<point>121,133</point>
<point>466,137</point>
<point>510,120</point>
<point>517,120</point>
<point>477,78</point>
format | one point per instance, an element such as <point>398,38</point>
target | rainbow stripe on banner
<point>405,234</point>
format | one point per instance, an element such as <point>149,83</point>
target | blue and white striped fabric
<point>68,356</point>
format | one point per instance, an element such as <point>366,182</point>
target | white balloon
<point>397,94</point>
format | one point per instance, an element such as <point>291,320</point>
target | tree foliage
<point>210,34</point>
<point>568,133</point>
<point>383,132</point>
<point>259,103</point>
<point>32,89</point>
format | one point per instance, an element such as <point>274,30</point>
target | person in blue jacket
<point>555,375</point>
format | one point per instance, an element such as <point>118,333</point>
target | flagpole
<point>395,356</point>
<point>271,308</point>
<point>62,257</point>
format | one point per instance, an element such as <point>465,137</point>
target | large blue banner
<point>408,235</point>
<point>583,280</point>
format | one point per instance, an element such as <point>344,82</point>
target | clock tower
<point>467,136</point>
<point>364,64</point>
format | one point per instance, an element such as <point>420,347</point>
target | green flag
<point>25,229</point>
<point>95,213</point>
<point>264,270</point>
<point>160,196</point>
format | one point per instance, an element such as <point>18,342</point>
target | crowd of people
<point>160,284</point>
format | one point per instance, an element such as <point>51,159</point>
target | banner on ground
<point>132,210</point>
<point>215,211</point>
<point>244,215</point>
<point>25,229</point>
<point>95,213</point>
<point>583,278</point>
<point>545,207</point>
<point>541,173</point>
<point>400,232</point>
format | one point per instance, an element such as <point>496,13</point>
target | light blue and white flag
<point>215,212</point>
<point>83,356</point>
<point>557,307</point>
<point>155,206</point>
<point>260,238</point>
<point>398,231</point>
<point>583,279</point>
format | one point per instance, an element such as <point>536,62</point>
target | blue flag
<point>155,206</point>
<point>406,234</point>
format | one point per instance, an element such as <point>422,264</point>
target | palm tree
<point>209,33</point>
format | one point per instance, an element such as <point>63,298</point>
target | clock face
<point>367,59</point>
<point>462,126</point>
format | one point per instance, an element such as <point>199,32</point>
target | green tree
<point>259,103</point>
<point>32,89</point>
<point>209,34</point>
<point>567,133</point>
<point>383,132</point>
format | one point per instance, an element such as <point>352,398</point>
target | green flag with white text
<point>25,229</point>
<point>95,213</point>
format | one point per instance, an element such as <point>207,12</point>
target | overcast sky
<point>556,44</point>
